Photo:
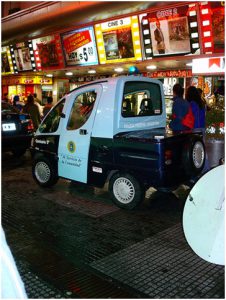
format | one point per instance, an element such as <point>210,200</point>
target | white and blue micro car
<point>114,130</point>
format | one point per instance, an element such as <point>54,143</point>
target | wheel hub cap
<point>123,190</point>
<point>42,172</point>
<point>198,155</point>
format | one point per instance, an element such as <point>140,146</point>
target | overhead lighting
<point>92,71</point>
<point>119,70</point>
<point>189,64</point>
<point>49,75</point>
<point>151,67</point>
<point>69,73</point>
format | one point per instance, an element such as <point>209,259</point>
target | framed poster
<point>171,31</point>
<point>218,26</point>
<point>79,47</point>
<point>118,40</point>
<point>23,56</point>
<point>48,53</point>
<point>6,61</point>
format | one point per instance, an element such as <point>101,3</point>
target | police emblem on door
<point>71,147</point>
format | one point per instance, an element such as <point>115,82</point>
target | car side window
<point>141,99</point>
<point>81,109</point>
<point>52,119</point>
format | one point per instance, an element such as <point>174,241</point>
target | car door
<point>76,132</point>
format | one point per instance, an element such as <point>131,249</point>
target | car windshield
<point>7,108</point>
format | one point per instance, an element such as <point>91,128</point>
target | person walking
<point>48,106</point>
<point>179,110</point>
<point>32,109</point>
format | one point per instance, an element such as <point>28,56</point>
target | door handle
<point>83,131</point>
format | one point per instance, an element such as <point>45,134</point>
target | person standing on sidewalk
<point>32,109</point>
<point>198,107</point>
<point>48,106</point>
<point>199,111</point>
<point>179,109</point>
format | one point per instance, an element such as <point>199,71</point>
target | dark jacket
<point>33,110</point>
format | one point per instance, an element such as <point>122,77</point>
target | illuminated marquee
<point>118,40</point>
<point>171,31</point>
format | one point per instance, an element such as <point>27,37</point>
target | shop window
<point>81,110</point>
<point>52,119</point>
<point>141,99</point>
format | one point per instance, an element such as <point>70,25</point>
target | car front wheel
<point>126,191</point>
<point>44,172</point>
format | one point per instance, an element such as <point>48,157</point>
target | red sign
<point>214,61</point>
<point>170,73</point>
<point>76,41</point>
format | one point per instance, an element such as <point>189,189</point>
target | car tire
<point>126,191</point>
<point>194,155</point>
<point>44,171</point>
<point>19,152</point>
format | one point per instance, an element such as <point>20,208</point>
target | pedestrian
<point>48,105</point>
<point>198,107</point>
<point>36,99</point>
<point>32,109</point>
<point>5,98</point>
<point>199,111</point>
<point>200,91</point>
<point>17,103</point>
<point>179,110</point>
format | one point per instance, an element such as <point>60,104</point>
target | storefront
<point>25,85</point>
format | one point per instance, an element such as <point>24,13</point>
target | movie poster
<point>22,56</point>
<point>5,63</point>
<point>79,47</point>
<point>218,26</point>
<point>168,32</point>
<point>118,44</point>
<point>48,53</point>
<point>111,45</point>
<point>118,40</point>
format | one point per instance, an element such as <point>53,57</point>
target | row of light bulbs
<point>118,70</point>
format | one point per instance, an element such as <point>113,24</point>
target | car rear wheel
<point>194,156</point>
<point>126,191</point>
<point>44,172</point>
